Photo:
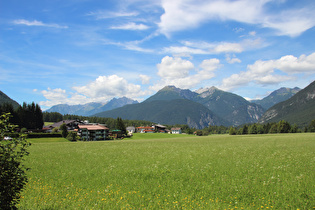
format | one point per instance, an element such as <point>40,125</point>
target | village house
<point>70,124</point>
<point>160,128</point>
<point>176,131</point>
<point>145,129</point>
<point>92,132</point>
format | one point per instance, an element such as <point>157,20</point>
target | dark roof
<point>58,124</point>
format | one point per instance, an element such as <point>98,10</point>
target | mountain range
<point>91,108</point>
<point>299,109</point>
<point>203,107</point>
<point>277,96</point>
<point>223,108</point>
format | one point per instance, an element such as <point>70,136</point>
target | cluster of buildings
<point>96,132</point>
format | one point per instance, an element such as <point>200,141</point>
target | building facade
<point>93,132</point>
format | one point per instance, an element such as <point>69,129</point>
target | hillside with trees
<point>178,111</point>
<point>4,99</point>
<point>299,109</point>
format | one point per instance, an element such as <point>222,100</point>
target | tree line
<point>27,116</point>
<point>111,123</point>
<point>281,127</point>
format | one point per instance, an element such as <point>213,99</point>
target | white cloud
<point>102,14</point>
<point>37,23</point>
<point>174,67</point>
<point>184,50</point>
<point>54,96</point>
<point>104,88</point>
<point>202,48</point>
<point>232,60</point>
<point>144,79</point>
<point>187,14</point>
<point>131,26</point>
<point>183,74</point>
<point>107,87</point>
<point>263,72</point>
<point>228,47</point>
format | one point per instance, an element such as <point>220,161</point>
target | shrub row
<point>43,135</point>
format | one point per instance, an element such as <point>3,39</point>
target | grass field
<point>179,172</point>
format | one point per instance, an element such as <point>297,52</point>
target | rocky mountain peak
<point>205,92</point>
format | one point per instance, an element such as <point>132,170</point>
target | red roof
<point>93,127</point>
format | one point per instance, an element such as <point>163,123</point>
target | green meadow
<point>173,172</point>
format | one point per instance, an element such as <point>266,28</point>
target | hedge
<point>43,135</point>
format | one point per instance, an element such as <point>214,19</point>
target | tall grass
<point>214,172</point>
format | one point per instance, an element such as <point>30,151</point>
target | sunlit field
<point>182,172</point>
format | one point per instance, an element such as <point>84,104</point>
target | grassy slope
<point>214,172</point>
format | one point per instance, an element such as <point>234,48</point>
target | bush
<point>12,170</point>
<point>73,136</point>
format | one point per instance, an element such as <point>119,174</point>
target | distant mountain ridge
<point>224,108</point>
<point>229,106</point>
<point>177,111</point>
<point>277,96</point>
<point>172,105</point>
<point>91,108</point>
<point>299,109</point>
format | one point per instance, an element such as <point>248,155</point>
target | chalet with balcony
<point>93,132</point>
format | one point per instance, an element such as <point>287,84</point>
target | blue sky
<point>80,51</point>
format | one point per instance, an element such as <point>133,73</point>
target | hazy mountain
<point>231,107</point>
<point>277,96</point>
<point>177,111</point>
<point>91,108</point>
<point>6,99</point>
<point>299,109</point>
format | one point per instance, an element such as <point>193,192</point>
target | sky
<point>80,51</point>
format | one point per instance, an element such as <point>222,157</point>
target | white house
<point>176,131</point>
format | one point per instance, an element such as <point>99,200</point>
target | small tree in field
<point>12,170</point>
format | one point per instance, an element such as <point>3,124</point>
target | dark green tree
<point>311,127</point>
<point>64,130</point>
<point>252,129</point>
<point>294,129</point>
<point>120,125</point>
<point>245,130</point>
<point>273,128</point>
<point>232,131</point>
<point>12,170</point>
<point>284,127</point>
